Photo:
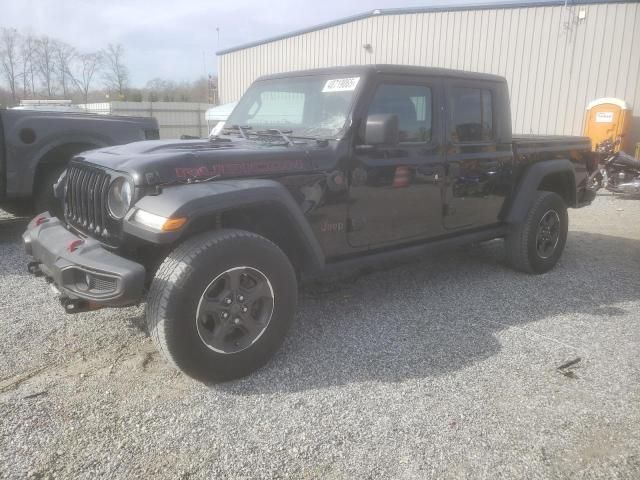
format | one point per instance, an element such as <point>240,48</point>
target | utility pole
<point>214,89</point>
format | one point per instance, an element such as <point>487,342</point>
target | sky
<point>177,39</point>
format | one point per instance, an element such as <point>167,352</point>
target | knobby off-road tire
<point>200,273</point>
<point>536,244</point>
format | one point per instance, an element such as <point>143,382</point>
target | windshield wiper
<point>246,130</point>
<point>285,135</point>
<point>241,129</point>
<point>277,131</point>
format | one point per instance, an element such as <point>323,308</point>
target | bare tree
<point>116,74</point>
<point>5,97</point>
<point>9,53</point>
<point>88,66</point>
<point>45,61</point>
<point>28,55</point>
<point>159,89</point>
<point>44,65</point>
<point>64,55</point>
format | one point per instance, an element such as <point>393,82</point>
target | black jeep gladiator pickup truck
<point>314,171</point>
<point>35,147</point>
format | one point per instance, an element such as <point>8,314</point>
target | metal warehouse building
<point>557,56</point>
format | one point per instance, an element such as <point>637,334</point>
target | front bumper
<point>81,268</point>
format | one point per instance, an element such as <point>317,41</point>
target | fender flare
<point>529,182</point>
<point>50,146</point>
<point>66,140</point>
<point>199,200</point>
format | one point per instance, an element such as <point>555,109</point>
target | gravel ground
<point>446,368</point>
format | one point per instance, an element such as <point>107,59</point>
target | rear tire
<point>536,244</point>
<point>189,336</point>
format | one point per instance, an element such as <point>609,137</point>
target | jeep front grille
<point>85,206</point>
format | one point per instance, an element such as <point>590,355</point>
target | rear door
<point>395,190</point>
<point>478,157</point>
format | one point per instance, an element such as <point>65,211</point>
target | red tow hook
<point>41,220</point>
<point>74,245</point>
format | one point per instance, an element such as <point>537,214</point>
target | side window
<point>412,105</point>
<point>472,114</point>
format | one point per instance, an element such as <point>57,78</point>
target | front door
<point>395,190</point>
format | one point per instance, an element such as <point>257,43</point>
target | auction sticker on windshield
<point>341,84</point>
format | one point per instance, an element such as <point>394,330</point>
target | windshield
<point>313,106</point>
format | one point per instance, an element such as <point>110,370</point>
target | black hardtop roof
<point>390,69</point>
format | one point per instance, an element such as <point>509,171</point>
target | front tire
<point>536,244</point>
<point>221,303</point>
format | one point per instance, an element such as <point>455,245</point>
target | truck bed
<point>530,149</point>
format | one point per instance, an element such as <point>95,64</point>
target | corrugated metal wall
<point>174,118</point>
<point>554,61</point>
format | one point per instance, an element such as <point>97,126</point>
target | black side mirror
<point>381,129</point>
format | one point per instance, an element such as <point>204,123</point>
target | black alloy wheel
<point>548,234</point>
<point>235,309</point>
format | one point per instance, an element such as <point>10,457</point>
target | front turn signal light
<point>173,224</point>
<point>158,222</point>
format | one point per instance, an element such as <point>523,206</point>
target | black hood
<point>164,161</point>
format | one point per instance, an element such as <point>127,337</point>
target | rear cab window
<point>471,115</point>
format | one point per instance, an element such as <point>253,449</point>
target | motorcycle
<point>619,172</point>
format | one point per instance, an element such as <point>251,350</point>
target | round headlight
<point>120,195</point>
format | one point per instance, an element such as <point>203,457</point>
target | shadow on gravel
<point>11,229</point>
<point>441,314</point>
